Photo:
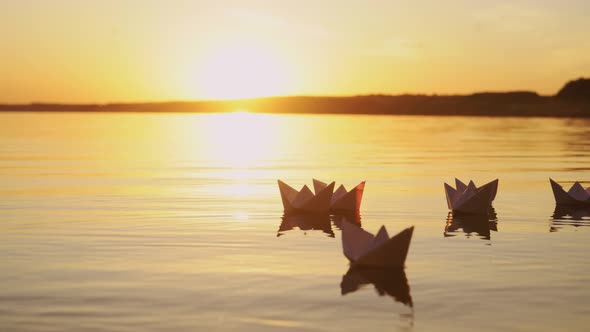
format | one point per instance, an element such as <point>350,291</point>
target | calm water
<point>173,222</point>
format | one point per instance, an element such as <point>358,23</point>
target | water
<point>172,222</point>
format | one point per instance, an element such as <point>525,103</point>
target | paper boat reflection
<point>391,282</point>
<point>306,222</point>
<point>304,200</point>
<point>342,200</point>
<point>577,195</point>
<point>365,249</point>
<point>569,215</point>
<point>480,224</point>
<point>469,198</point>
<point>315,221</point>
<point>339,218</point>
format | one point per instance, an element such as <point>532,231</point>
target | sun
<point>241,70</point>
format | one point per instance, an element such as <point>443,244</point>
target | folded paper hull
<point>343,200</point>
<point>364,249</point>
<point>304,200</point>
<point>562,197</point>
<point>469,199</point>
<point>391,254</point>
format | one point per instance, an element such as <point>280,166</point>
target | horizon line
<point>167,101</point>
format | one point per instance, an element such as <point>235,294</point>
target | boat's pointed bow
<point>391,254</point>
<point>318,185</point>
<point>450,193</point>
<point>288,194</point>
<point>561,196</point>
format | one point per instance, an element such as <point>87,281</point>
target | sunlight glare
<point>241,70</point>
<point>239,140</point>
<point>237,145</point>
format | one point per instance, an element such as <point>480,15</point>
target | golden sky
<point>127,50</point>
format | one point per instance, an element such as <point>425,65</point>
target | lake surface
<point>173,222</point>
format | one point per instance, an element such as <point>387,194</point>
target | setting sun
<point>241,70</point>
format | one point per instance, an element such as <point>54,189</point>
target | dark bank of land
<point>573,100</point>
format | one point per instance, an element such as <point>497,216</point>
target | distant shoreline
<point>514,104</point>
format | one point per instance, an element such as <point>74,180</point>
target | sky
<point>128,51</point>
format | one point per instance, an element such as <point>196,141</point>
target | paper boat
<point>365,249</point>
<point>392,282</point>
<point>342,200</point>
<point>304,200</point>
<point>469,198</point>
<point>577,195</point>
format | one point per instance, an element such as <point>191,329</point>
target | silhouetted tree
<point>578,90</point>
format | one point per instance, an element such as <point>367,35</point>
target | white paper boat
<point>577,195</point>
<point>469,198</point>
<point>364,249</point>
<point>304,200</point>
<point>343,200</point>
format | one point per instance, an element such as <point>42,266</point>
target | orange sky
<point>103,51</point>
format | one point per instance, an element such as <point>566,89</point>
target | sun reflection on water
<point>236,147</point>
<point>239,140</point>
